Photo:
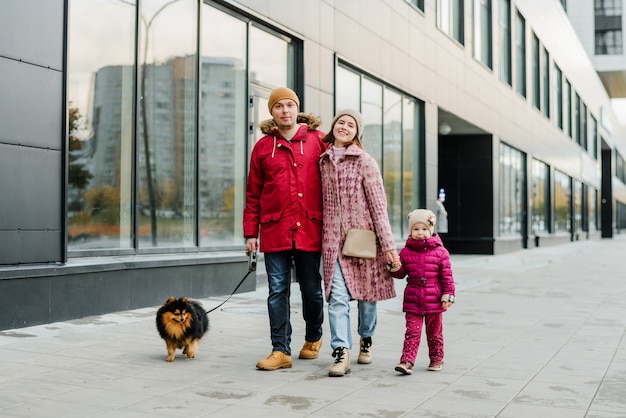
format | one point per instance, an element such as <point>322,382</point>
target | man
<point>284,209</point>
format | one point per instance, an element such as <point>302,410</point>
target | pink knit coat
<point>358,189</point>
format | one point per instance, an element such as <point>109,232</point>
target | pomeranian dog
<point>181,323</point>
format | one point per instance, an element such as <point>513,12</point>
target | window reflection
<point>222,143</point>
<point>540,198</point>
<point>392,152</point>
<point>101,121</point>
<point>511,190</point>
<point>390,135</point>
<point>562,197</point>
<point>166,128</point>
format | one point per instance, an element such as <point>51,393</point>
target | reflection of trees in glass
<point>144,124</point>
<point>78,175</point>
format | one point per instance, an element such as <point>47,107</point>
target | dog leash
<point>251,268</point>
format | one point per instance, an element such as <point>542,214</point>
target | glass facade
<point>505,42</point>
<point>562,202</point>
<point>483,50</point>
<point>160,164</point>
<point>392,134</point>
<point>450,19</point>
<point>546,83</point>
<point>536,74</point>
<point>512,190</point>
<point>540,198</point>
<point>568,107</point>
<point>559,96</point>
<point>162,122</point>
<point>592,209</point>
<point>520,51</point>
<point>577,206</point>
<point>609,38</point>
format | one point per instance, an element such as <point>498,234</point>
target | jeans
<point>278,267</point>
<point>339,313</point>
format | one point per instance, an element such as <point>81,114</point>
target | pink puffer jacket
<point>427,265</point>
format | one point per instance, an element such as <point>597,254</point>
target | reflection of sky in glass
<point>92,22</point>
<point>268,55</point>
<point>171,25</point>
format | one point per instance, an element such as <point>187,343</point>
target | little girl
<point>429,291</point>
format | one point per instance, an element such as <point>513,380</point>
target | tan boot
<point>276,360</point>
<point>342,362</point>
<point>365,355</point>
<point>310,349</point>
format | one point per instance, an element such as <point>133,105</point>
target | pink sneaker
<point>405,368</point>
<point>435,366</point>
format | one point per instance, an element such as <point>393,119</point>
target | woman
<point>353,195</point>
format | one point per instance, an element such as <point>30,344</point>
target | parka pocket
<point>270,217</point>
<point>314,215</point>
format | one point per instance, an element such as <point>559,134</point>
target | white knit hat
<point>354,114</point>
<point>422,216</point>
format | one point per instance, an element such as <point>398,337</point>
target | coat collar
<point>268,126</point>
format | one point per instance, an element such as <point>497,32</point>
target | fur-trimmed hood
<point>312,121</point>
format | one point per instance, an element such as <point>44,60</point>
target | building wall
<point>32,117</point>
<point>388,39</point>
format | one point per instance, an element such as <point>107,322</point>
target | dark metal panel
<point>31,106</point>
<point>24,302</point>
<point>31,189</point>
<point>59,296</point>
<point>33,31</point>
<point>24,246</point>
<point>77,296</point>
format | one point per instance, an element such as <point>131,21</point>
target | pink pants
<point>413,335</point>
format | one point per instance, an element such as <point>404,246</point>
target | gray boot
<point>342,362</point>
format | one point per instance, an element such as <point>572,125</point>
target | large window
<point>546,83</point>
<point>520,49</point>
<point>594,137</point>
<point>559,96</point>
<point>577,122</point>
<point>161,164</point>
<point>562,202</point>
<point>101,93</point>
<point>483,32</point>
<point>392,134</point>
<point>592,209</point>
<point>512,190</point>
<point>450,18</point>
<point>540,197</point>
<point>568,107</point>
<point>577,202</point>
<point>536,72</point>
<point>505,42</point>
<point>417,3</point>
<point>166,135</point>
<point>609,38</point>
<point>222,105</point>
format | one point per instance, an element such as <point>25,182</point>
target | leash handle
<point>251,268</point>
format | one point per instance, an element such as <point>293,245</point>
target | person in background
<point>284,211</point>
<point>441,227</point>
<point>353,194</point>
<point>429,292</point>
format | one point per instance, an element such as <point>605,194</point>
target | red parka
<point>427,264</point>
<point>284,191</point>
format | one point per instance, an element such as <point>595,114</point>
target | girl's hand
<point>446,305</point>
<point>393,260</point>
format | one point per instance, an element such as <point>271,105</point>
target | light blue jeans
<point>339,313</point>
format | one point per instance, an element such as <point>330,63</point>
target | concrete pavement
<point>535,333</point>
